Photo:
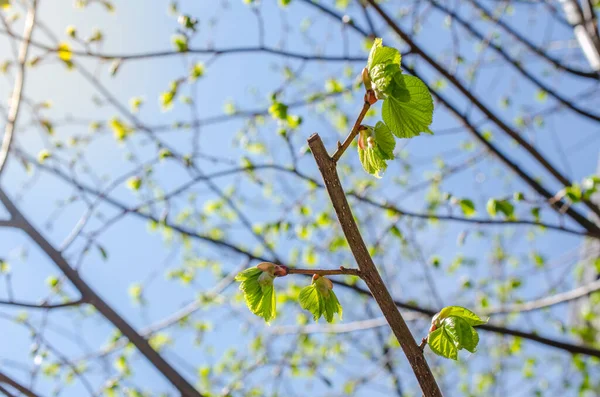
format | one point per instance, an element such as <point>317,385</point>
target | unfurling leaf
<point>452,330</point>
<point>319,299</point>
<point>375,146</point>
<point>278,111</point>
<point>167,97</point>
<point>64,53</point>
<point>134,183</point>
<point>196,71</point>
<point>120,129</point>
<point>408,107</point>
<point>504,206</point>
<point>256,284</point>
<point>468,207</point>
<point>135,103</point>
<point>43,155</point>
<point>180,42</point>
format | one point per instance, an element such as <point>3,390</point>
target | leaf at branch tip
<point>459,311</point>
<point>319,299</point>
<point>408,109</point>
<point>383,65</point>
<point>382,55</point>
<point>452,330</point>
<point>256,284</point>
<point>375,146</point>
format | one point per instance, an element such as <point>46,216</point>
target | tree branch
<point>322,272</point>
<point>548,301</point>
<point>17,386</point>
<point>45,306</point>
<point>355,129</point>
<point>522,39</point>
<point>488,113</point>
<point>15,102</point>
<point>178,381</point>
<point>369,272</point>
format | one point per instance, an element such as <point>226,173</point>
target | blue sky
<point>135,255</point>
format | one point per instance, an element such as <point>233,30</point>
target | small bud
<point>370,97</point>
<point>266,266</point>
<point>281,270</point>
<point>71,31</point>
<point>366,79</point>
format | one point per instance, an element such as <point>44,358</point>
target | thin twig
<point>355,129</point>
<point>176,379</point>
<point>324,272</point>
<point>44,306</point>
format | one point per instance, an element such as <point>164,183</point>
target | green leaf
<point>310,300</point>
<point>382,55</point>
<point>180,42</point>
<point>504,206</point>
<point>458,311</point>
<point>43,155</point>
<point>120,130</point>
<point>134,183</point>
<point>135,103</point>
<point>258,290</point>
<point>64,52</point>
<point>196,71</point>
<point>442,344</point>
<point>463,334</point>
<point>319,299</point>
<point>408,111</point>
<point>375,146</point>
<point>468,207</point>
<point>278,111</point>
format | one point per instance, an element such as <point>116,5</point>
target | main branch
<point>369,272</point>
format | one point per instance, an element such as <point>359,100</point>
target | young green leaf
<point>442,344</point>
<point>468,207</point>
<point>452,330</point>
<point>462,333</point>
<point>458,311</point>
<point>375,146</point>
<point>382,55</point>
<point>257,285</point>
<point>504,206</point>
<point>408,110</point>
<point>383,66</point>
<point>319,299</point>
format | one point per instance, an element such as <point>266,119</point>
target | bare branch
<point>178,381</point>
<point>17,386</point>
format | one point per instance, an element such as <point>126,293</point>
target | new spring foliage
<point>407,109</point>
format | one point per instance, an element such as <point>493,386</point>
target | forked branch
<point>369,273</point>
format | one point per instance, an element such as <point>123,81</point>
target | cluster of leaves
<point>407,109</point>
<point>256,283</point>
<point>452,330</point>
